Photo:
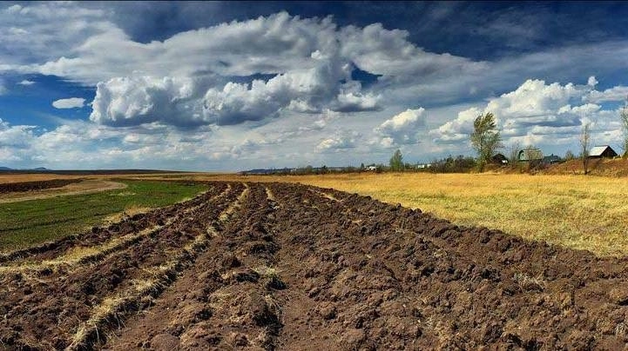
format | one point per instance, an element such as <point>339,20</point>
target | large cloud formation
<point>537,113</point>
<point>311,62</point>
<point>285,89</point>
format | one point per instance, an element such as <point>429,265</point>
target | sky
<point>228,86</point>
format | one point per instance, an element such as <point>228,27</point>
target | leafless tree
<point>513,153</point>
<point>585,145</point>
<point>623,116</point>
<point>569,155</point>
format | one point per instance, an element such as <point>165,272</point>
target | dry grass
<point>270,195</point>
<point>580,212</point>
<point>129,211</point>
<point>224,216</point>
<point>112,306</point>
<point>575,211</point>
<point>83,254</point>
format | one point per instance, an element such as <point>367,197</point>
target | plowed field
<point>293,267</point>
<point>30,186</point>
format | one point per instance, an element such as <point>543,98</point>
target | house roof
<point>598,150</point>
<point>552,159</point>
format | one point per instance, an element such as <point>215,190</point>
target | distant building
<point>423,165</point>
<point>551,159</point>
<point>603,151</point>
<point>530,154</point>
<point>499,159</point>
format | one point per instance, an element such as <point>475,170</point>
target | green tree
<point>485,138</point>
<point>396,161</point>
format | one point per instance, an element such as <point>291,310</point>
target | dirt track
<point>282,266</point>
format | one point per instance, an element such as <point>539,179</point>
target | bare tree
<point>513,153</point>
<point>585,145</point>
<point>569,155</point>
<point>623,116</point>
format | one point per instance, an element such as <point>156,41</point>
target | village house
<point>602,151</point>
<point>530,154</point>
<point>551,159</point>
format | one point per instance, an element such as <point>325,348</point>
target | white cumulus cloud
<point>69,103</point>
<point>402,128</point>
<point>340,141</point>
<point>186,101</point>
<point>136,100</point>
<point>618,93</point>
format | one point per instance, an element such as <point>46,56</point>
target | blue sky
<point>231,86</point>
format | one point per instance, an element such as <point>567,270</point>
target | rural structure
<point>551,159</point>
<point>602,151</point>
<point>499,159</point>
<point>530,154</point>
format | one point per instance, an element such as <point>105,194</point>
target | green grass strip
<point>27,223</point>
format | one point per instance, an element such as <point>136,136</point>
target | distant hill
<point>27,169</point>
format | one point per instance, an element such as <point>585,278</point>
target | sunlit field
<point>580,212</point>
<point>589,213</point>
<point>27,223</point>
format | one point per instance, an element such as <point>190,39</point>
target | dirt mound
<point>39,185</point>
<point>284,266</point>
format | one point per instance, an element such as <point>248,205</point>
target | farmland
<point>287,266</point>
<point>586,213</point>
<point>26,223</point>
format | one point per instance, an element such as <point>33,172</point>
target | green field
<point>27,223</point>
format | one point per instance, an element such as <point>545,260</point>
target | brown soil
<point>30,186</point>
<point>285,266</point>
<point>28,191</point>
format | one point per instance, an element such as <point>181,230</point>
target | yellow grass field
<point>580,212</point>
